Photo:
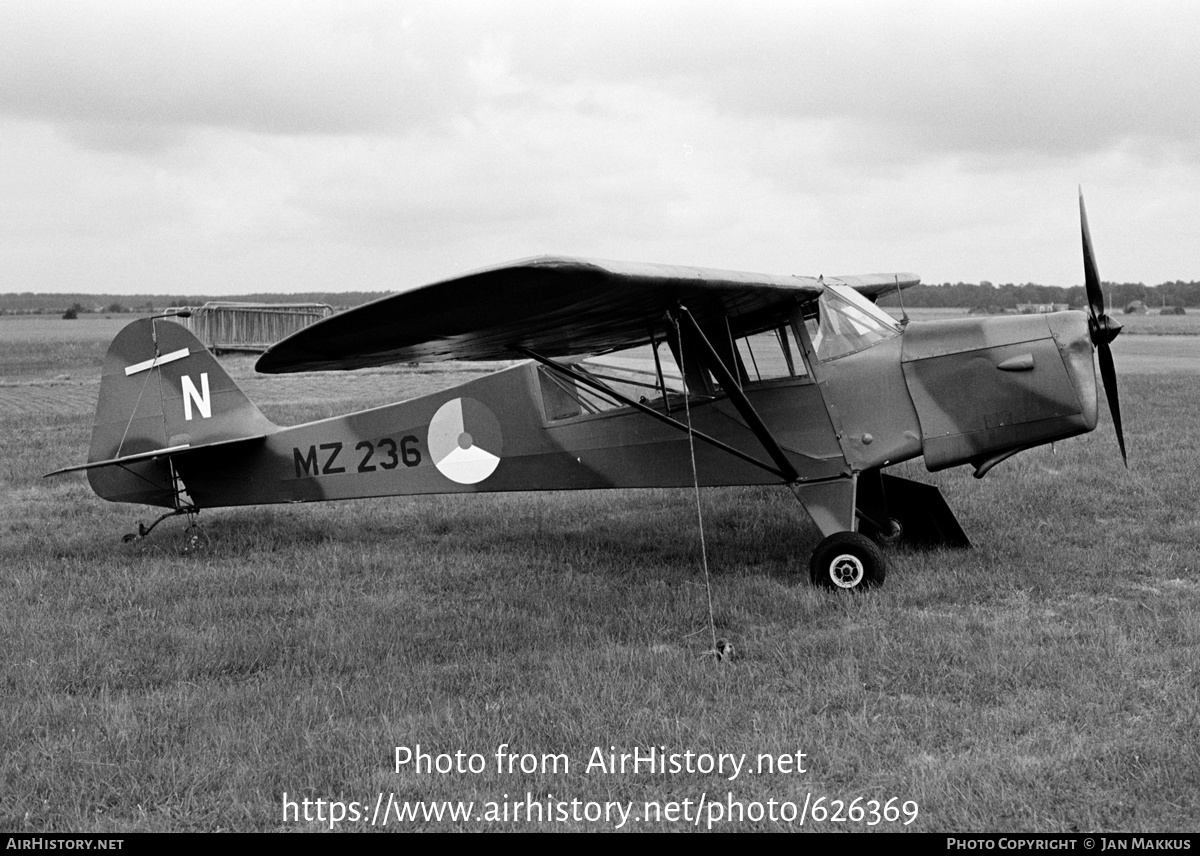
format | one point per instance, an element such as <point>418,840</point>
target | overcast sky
<point>229,147</point>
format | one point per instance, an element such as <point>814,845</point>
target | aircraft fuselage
<point>955,391</point>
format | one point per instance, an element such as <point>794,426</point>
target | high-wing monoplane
<point>796,381</point>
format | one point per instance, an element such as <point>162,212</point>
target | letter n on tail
<point>199,397</point>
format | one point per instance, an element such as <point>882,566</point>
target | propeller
<point>1101,328</point>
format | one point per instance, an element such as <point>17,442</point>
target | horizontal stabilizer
<point>169,451</point>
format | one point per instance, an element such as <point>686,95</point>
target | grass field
<point>1047,680</point>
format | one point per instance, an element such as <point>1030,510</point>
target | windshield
<point>848,322</point>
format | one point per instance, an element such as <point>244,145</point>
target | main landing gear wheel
<point>847,560</point>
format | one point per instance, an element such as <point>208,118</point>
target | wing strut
<point>591,383</point>
<point>734,390</point>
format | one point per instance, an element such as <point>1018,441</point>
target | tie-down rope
<point>718,651</point>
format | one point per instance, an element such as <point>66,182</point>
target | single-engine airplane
<point>788,380</point>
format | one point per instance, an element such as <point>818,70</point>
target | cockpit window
<point>770,355</point>
<point>646,374</point>
<point>847,322</point>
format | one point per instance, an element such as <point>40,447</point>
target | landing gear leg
<point>845,559</point>
<point>895,510</point>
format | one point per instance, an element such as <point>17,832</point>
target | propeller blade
<point>1108,374</point>
<point>1091,273</point>
<point>1102,328</point>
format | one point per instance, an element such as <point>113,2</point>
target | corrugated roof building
<point>251,327</point>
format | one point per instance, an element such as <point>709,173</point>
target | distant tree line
<point>146,304</point>
<point>962,295</point>
<point>985,295</point>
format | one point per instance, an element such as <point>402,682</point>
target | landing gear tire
<point>847,561</point>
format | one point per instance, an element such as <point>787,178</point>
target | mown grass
<point>1046,680</point>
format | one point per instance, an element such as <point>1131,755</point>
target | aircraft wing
<point>555,306</point>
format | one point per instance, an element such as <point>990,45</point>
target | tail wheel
<point>848,561</point>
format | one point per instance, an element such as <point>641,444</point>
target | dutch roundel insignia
<point>465,440</point>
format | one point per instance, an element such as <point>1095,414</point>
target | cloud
<point>277,68</point>
<point>1048,79</point>
<point>920,79</point>
<point>284,145</point>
